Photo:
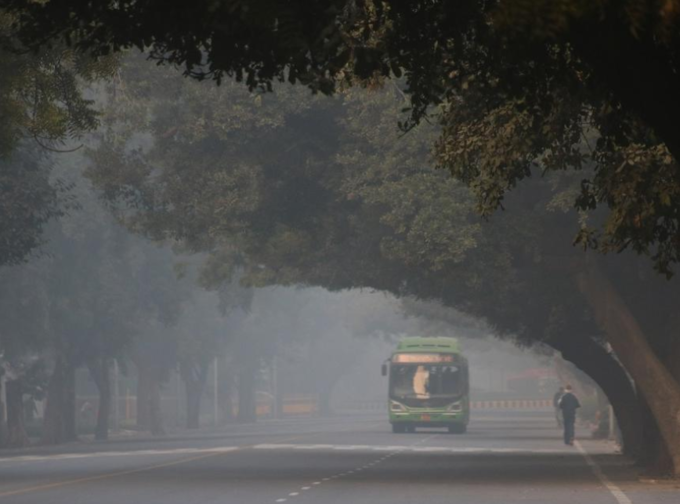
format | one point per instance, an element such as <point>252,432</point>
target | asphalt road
<point>505,458</point>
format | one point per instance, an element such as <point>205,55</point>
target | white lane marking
<point>618,494</point>
<point>430,449</point>
<point>315,447</point>
<point>276,446</point>
<point>73,456</point>
<point>396,450</point>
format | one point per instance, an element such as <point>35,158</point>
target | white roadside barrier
<point>533,404</point>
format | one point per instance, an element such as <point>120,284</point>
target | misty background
<point>143,310</point>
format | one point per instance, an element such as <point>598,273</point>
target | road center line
<point>59,484</point>
<point>398,449</point>
<point>211,452</point>
<point>618,494</point>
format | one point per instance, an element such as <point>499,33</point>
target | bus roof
<point>428,345</point>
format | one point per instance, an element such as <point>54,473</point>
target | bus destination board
<point>421,358</point>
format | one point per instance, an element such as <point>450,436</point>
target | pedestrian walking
<point>569,404</point>
<point>556,404</point>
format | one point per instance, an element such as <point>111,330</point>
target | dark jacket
<point>569,403</point>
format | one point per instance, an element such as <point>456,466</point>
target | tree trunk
<point>155,413</point>
<point>3,425</point>
<point>659,461</point>
<point>16,428</point>
<point>591,358</point>
<point>655,457</point>
<point>149,415</point>
<point>53,422</point>
<point>193,391</point>
<point>69,404</point>
<point>143,397</point>
<point>226,379</point>
<point>99,370</point>
<point>653,379</point>
<point>194,376</point>
<point>247,405</point>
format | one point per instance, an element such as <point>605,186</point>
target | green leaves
<point>43,109</point>
<point>534,75</point>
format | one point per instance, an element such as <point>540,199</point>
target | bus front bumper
<point>429,419</point>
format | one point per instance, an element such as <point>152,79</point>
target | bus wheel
<point>398,428</point>
<point>457,429</point>
<point>411,429</point>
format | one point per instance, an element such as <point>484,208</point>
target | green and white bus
<point>428,385</point>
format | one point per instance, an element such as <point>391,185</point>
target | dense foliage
<point>571,85</point>
<point>43,109</point>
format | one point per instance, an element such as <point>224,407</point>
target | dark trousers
<point>569,421</point>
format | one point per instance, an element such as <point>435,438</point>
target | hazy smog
<point>332,252</point>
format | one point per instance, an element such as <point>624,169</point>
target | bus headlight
<point>397,407</point>
<point>455,407</point>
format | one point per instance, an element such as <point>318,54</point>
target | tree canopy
<point>569,85</point>
<point>44,109</point>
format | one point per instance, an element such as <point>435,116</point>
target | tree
<point>386,220</point>
<point>44,110</point>
<point>303,341</point>
<point>43,107</point>
<point>86,301</point>
<point>23,311</point>
<point>273,321</point>
<point>94,307</point>
<point>335,330</point>
<point>618,64</point>
<point>159,298</point>
<point>203,334</point>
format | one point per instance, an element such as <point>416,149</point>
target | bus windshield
<point>425,381</point>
